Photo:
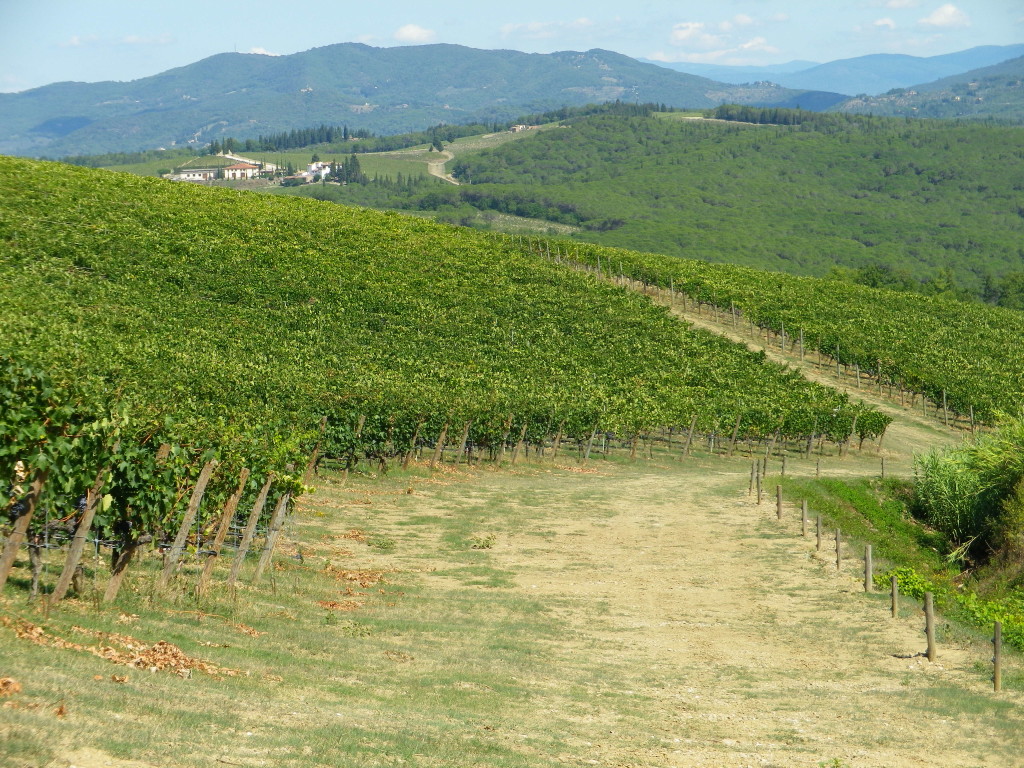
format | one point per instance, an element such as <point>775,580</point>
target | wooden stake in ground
<point>250,530</point>
<point>839,549</point>
<point>439,448</point>
<point>803,517</point>
<point>689,436</point>
<point>307,478</point>
<point>92,503</point>
<point>17,534</point>
<point>590,444</point>
<point>222,530</point>
<point>868,570</point>
<point>997,657</point>
<point>894,588</point>
<point>355,435</point>
<point>178,546</point>
<point>929,625</point>
<point>819,533</point>
<point>462,443</point>
<point>519,444</point>
<point>778,501</point>
<point>412,445</point>
<point>276,523</point>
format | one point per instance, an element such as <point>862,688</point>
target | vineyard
<point>174,356</point>
<point>967,358</point>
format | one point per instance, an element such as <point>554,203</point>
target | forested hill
<point>384,90</point>
<point>916,197</point>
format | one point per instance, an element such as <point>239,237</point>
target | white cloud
<point>739,20</point>
<point>903,3</point>
<point>262,52</point>
<point>946,16</point>
<point>758,44</point>
<point>77,41</point>
<point>886,22</point>
<point>736,55</point>
<point>693,34</point>
<point>414,33</point>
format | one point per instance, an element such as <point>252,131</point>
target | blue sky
<point>44,41</point>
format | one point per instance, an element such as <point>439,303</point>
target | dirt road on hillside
<point>739,645</point>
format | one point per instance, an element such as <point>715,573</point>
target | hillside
<point>873,74</point>
<point>916,197</point>
<point>990,92</point>
<point>384,90</point>
<point>247,318</point>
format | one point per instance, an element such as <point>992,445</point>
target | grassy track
<point>611,614</point>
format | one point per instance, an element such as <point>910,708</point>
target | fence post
<point>819,533</point>
<point>803,518</point>
<point>778,501</point>
<point>178,545</point>
<point>868,569</point>
<point>839,549</point>
<point>759,489</point>
<point>753,472</point>
<point>929,624</point>
<point>895,599</point>
<point>997,657</point>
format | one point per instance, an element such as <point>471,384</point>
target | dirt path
<point>436,167</point>
<point>706,633</point>
<point>911,431</point>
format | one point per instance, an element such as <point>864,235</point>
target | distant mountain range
<point>385,90</point>
<point>394,90</point>
<point>870,75</point>
<point>990,92</point>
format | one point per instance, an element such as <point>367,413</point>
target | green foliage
<point>972,491</point>
<point>228,325</point>
<point>910,582</point>
<point>915,196</point>
<point>966,354</point>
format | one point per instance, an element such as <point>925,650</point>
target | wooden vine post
<point>839,549</point>
<point>250,530</point>
<point>74,556</point>
<point>412,444</point>
<point>894,601</point>
<point>929,625</point>
<point>307,478</point>
<point>803,517</point>
<point>519,444</point>
<point>735,432</point>
<point>689,436</point>
<point>590,444</point>
<point>462,443</point>
<point>868,570</point>
<point>178,546</point>
<point>21,524</point>
<point>222,528</point>
<point>778,501</point>
<point>997,657</point>
<point>356,435</point>
<point>439,448</point>
<point>276,523</point>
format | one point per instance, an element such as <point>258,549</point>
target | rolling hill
<point>916,197</point>
<point>991,92</point>
<point>385,90</point>
<point>872,74</point>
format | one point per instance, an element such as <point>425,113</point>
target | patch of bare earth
<point>740,646</point>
